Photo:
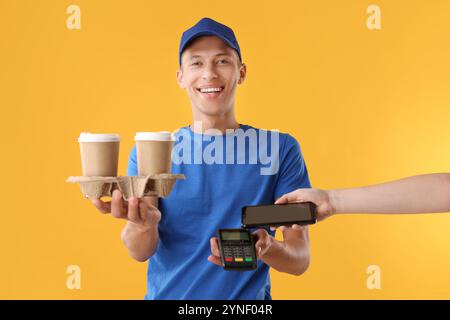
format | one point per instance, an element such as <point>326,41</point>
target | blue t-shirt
<point>221,178</point>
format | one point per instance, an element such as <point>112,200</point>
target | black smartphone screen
<point>278,215</point>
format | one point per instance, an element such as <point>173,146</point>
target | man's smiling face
<point>210,71</point>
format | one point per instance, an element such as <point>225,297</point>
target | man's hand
<point>321,198</point>
<point>263,242</point>
<point>140,212</point>
<point>215,252</point>
<point>140,235</point>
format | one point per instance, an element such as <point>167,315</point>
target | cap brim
<point>207,33</point>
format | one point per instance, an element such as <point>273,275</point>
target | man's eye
<point>223,61</point>
<point>195,63</point>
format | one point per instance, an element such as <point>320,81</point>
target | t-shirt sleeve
<point>293,173</point>
<point>132,163</point>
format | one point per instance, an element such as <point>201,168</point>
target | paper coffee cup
<point>154,152</point>
<point>99,154</point>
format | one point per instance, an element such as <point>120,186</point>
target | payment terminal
<point>237,249</point>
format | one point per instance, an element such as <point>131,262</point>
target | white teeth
<point>210,90</point>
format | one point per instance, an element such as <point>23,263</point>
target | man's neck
<point>221,123</point>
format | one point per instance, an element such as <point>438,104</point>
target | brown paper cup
<point>99,154</point>
<point>154,152</point>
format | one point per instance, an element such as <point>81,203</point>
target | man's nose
<point>209,72</point>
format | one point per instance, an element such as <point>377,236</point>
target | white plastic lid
<point>98,137</point>
<point>154,136</point>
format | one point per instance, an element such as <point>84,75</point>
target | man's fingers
<point>215,257</point>
<point>262,238</point>
<point>117,206</point>
<point>103,207</point>
<point>259,245</point>
<point>151,202</point>
<point>260,233</point>
<point>258,252</point>
<point>297,227</point>
<point>214,247</point>
<point>133,210</point>
<point>215,260</point>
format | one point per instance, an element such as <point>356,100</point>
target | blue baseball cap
<point>209,27</point>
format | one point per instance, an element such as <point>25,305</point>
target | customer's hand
<point>321,198</point>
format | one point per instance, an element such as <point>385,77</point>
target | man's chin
<point>213,110</point>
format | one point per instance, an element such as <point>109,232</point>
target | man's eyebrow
<point>218,54</point>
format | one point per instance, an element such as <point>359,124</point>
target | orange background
<point>367,106</point>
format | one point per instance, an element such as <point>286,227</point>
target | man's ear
<point>180,78</point>
<point>242,73</point>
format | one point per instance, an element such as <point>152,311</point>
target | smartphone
<point>275,215</point>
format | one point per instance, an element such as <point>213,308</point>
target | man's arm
<point>292,255</point>
<point>140,234</point>
<point>141,237</point>
<point>141,244</point>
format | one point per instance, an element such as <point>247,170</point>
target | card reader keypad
<point>237,252</point>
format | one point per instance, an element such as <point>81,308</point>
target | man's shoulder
<point>284,137</point>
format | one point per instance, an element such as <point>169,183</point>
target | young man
<point>221,177</point>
